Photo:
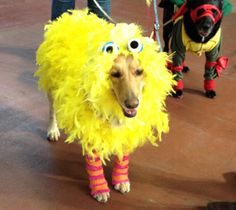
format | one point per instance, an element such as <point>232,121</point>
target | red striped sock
<point>120,170</point>
<point>98,183</point>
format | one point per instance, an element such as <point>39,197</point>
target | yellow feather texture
<point>148,2</point>
<point>74,69</point>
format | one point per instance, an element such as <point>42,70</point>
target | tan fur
<point>129,85</point>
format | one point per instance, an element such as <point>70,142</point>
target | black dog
<point>197,30</point>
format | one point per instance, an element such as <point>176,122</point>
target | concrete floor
<point>194,165</point>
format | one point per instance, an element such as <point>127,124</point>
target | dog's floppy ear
<point>190,3</point>
<point>221,4</point>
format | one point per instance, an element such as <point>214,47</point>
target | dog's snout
<point>131,103</point>
<point>206,26</point>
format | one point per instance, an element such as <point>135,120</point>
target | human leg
<point>105,5</point>
<point>61,6</point>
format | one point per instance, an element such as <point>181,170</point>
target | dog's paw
<point>102,197</point>
<point>186,69</point>
<point>210,93</point>
<point>123,187</point>
<point>178,94</point>
<point>53,134</point>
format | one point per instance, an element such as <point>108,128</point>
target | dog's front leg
<point>53,132</point>
<point>210,72</point>
<point>178,59</point>
<point>120,178</point>
<point>97,181</point>
<point>177,69</point>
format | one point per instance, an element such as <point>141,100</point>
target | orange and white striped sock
<point>98,183</point>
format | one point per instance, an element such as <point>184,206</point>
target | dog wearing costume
<point>197,28</point>
<point>106,86</point>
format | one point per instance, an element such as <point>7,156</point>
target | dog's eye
<point>200,12</point>
<point>110,47</point>
<point>138,72</point>
<point>214,12</point>
<point>135,45</point>
<point>116,74</point>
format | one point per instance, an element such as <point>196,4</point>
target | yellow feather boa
<point>74,69</point>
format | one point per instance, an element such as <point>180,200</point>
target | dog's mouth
<point>203,33</point>
<point>130,112</point>
<point>205,28</point>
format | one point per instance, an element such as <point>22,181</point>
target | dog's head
<point>127,76</point>
<point>206,16</point>
<point>135,71</point>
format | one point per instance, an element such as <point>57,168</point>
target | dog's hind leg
<point>53,132</point>
<point>98,183</point>
<point>178,88</point>
<point>178,59</point>
<point>120,178</point>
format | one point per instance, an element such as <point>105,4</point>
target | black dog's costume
<point>181,43</point>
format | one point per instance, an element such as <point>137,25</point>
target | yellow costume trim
<point>199,48</point>
<point>74,69</point>
<point>148,2</point>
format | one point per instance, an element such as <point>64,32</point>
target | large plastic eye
<point>110,47</point>
<point>135,45</point>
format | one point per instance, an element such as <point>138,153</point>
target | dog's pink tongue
<point>130,112</point>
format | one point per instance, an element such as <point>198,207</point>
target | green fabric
<point>177,45</point>
<point>178,48</point>
<point>179,53</point>
<point>227,8</point>
<point>177,2</point>
<point>210,73</point>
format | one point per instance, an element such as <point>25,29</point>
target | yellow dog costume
<point>74,68</point>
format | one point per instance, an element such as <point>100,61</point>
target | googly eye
<point>135,45</point>
<point>110,47</point>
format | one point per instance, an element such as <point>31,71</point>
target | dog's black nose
<point>206,26</point>
<point>131,103</point>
